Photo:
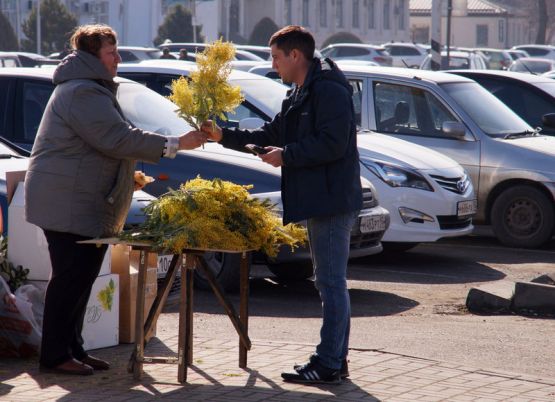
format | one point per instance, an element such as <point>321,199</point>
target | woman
<point>80,183</point>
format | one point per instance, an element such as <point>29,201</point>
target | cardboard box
<point>27,245</point>
<point>101,324</point>
<point>126,264</point>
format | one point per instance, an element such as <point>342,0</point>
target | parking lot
<point>410,303</point>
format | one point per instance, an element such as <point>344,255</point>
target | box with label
<point>27,245</point>
<point>101,324</point>
<point>125,263</point>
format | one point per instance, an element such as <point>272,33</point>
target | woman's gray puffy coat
<point>80,177</point>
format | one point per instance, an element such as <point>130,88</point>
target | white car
<point>541,51</point>
<point>358,51</point>
<point>417,185</point>
<point>133,54</point>
<point>457,60</point>
<point>406,54</point>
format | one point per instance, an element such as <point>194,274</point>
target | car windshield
<point>265,94</point>
<point>488,112</point>
<point>548,87</point>
<point>154,54</point>
<point>149,111</point>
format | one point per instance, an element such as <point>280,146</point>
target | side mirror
<point>453,129</point>
<point>251,123</point>
<point>548,120</point>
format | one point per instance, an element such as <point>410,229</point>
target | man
<point>166,54</point>
<point>79,186</point>
<point>183,54</point>
<point>313,140</point>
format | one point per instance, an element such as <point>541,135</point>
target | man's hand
<point>192,140</point>
<point>274,157</point>
<point>212,130</point>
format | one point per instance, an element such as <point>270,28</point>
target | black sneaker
<point>344,372</point>
<point>313,373</point>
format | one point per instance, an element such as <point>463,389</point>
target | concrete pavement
<point>215,376</point>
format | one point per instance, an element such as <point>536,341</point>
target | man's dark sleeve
<point>265,136</point>
<point>332,128</point>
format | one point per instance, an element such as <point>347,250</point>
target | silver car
<point>511,165</point>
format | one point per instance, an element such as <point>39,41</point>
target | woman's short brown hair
<point>90,38</point>
<point>294,37</point>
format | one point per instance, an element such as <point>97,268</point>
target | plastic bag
<point>20,333</point>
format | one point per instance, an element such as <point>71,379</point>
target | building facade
<point>372,21</point>
<point>474,23</point>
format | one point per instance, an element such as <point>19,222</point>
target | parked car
<point>262,96</point>
<point>541,51</point>
<point>498,59</point>
<point>517,54</point>
<point>511,166</point>
<point>192,48</point>
<point>358,51</point>
<point>132,54</point>
<point>24,59</point>
<point>264,52</point>
<point>417,185</point>
<point>532,65</point>
<point>25,92</point>
<point>530,96</point>
<point>406,54</point>
<point>266,70</point>
<point>457,60</point>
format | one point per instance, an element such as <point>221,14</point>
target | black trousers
<point>74,270</point>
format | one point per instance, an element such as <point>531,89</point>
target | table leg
<point>139,316</point>
<point>184,346</point>
<point>244,308</point>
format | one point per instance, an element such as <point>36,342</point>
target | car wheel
<point>292,271</point>
<point>226,269</point>
<point>397,246</point>
<point>523,216</point>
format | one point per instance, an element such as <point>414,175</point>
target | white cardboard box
<point>27,245</point>
<point>101,324</point>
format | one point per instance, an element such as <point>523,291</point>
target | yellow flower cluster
<point>215,215</point>
<point>206,94</point>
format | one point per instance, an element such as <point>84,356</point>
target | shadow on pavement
<point>272,298</point>
<point>423,265</point>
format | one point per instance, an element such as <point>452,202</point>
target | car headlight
<point>397,176</point>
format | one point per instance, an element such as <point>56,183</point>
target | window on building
<point>501,31</point>
<point>356,12</point>
<point>401,13</point>
<point>481,35</point>
<point>339,13</point>
<point>371,14</point>
<point>323,13</point>
<point>305,13</point>
<point>386,14</point>
<point>287,11</point>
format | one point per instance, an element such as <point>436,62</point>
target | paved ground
<point>214,376</point>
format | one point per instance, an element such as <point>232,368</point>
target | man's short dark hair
<point>90,38</point>
<point>294,37</point>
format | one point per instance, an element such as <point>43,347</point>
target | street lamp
<point>39,39</point>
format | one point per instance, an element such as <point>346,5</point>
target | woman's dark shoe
<point>95,363</point>
<point>71,366</point>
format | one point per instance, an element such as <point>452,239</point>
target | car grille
<point>368,200</point>
<point>456,185</point>
<point>447,222</point>
<point>363,240</point>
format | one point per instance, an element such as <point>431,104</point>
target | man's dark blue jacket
<point>317,130</point>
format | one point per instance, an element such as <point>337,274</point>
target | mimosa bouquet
<point>206,94</point>
<point>214,215</point>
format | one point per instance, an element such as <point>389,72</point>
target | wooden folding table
<point>193,260</point>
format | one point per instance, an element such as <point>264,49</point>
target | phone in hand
<point>256,149</point>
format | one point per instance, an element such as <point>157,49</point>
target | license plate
<point>369,224</point>
<point>465,208</point>
<point>164,262</point>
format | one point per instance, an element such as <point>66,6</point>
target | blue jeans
<point>329,239</point>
